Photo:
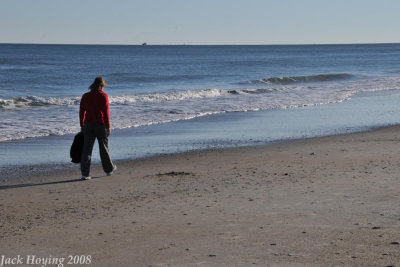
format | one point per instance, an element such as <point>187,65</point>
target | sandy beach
<point>330,201</point>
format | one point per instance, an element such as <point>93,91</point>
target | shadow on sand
<point>3,187</point>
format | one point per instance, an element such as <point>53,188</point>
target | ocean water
<point>173,98</point>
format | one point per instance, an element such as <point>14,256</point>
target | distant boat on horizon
<point>144,44</point>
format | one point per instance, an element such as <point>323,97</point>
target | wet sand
<point>330,201</point>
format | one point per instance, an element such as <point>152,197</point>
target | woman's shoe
<point>114,169</point>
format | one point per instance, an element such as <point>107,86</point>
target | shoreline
<point>30,172</point>
<point>315,202</point>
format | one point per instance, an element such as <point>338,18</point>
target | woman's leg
<point>102,139</point>
<point>89,138</point>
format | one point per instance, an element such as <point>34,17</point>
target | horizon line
<point>155,44</point>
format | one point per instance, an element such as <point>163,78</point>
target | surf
<point>300,79</point>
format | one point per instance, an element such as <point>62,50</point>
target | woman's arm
<point>82,111</point>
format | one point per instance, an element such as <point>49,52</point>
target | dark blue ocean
<point>166,99</point>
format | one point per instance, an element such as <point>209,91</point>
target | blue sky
<point>200,21</point>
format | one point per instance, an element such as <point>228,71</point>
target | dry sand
<point>331,201</point>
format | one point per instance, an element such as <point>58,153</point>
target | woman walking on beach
<point>95,123</point>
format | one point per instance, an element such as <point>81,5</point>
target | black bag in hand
<point>76,148</point>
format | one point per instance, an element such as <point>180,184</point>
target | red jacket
<point>94,108</point>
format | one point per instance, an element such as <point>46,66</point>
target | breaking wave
<point>37,101</point>
<point>300,79</point>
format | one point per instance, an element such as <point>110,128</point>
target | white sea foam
<point>37,101</point>
<point>35,116</point>
<point>162,97</point>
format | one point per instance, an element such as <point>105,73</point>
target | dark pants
<point>92,131</point>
